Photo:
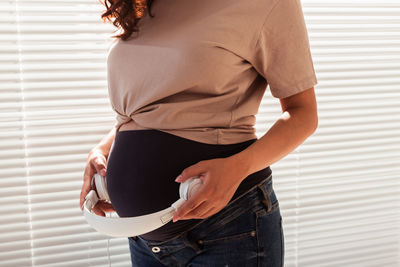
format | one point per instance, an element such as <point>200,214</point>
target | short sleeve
<point>282,54</point>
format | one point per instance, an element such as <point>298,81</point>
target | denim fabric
<point>246,232</point>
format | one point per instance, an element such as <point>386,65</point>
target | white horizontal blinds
<point>14,201</point>
<point>55,108</point>
<point>340,190</point>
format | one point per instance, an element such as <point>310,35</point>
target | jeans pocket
<point>241,226</point>
<point>234,245</point>
<point>273,200</point>
<point>232,248</point>
<point>268,201</point>
<point>227,238</point>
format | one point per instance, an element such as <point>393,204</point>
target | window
<point>339,191</point>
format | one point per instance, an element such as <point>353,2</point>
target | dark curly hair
<point>127,14</point>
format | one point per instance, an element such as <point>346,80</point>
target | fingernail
<point>178,179</point>
<point>102,172</point>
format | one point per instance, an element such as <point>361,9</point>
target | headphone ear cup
<point>189,187</point>
<point>183,188</point>
<point>101,187</point>
<point>193,187</point>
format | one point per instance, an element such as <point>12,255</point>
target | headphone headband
<point>132,226</point>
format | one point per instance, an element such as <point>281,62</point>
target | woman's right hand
<point>96,163</point>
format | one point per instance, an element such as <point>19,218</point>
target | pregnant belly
<point>143,164</point>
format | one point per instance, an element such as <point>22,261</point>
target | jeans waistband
<point>245,200</point>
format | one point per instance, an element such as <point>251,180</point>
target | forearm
<point>288,132</point>
<point>105,144</point>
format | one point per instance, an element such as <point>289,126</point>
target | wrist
<point>242,163</point>
<point>100,149</point>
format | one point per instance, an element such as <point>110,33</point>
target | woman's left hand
<point>221,177</point>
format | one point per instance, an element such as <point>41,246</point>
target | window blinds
<point>339,191</point>
<point>54,108</point>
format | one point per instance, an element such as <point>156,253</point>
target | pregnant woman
<point>186,79</point>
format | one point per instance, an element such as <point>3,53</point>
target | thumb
<point>189,172</point>
<point>100,166</point>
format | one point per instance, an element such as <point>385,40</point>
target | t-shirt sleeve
<point>282,54</point>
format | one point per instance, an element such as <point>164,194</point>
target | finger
<point>99,163</point>
<point>106,207</point>
<point>182,212</point>
<point>198,212</point>
<point>82,200</point>
<point>97,210</point>
<point>187,206</point>
<point>210,212</point>
<point>199,196</point>
<point>194,170</point>
<point>87,177</point>
<point>84,191</point>
<point>86,186</point>
<point>88,173</point>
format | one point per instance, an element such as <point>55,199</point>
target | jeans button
<point>155,249</point>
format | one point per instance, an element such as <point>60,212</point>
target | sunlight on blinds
<point>339,191</point>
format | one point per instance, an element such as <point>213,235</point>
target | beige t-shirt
<point>198,69</point>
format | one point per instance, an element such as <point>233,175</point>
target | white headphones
<point>132,226</point>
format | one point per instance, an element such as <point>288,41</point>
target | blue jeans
<point>246,232</point>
